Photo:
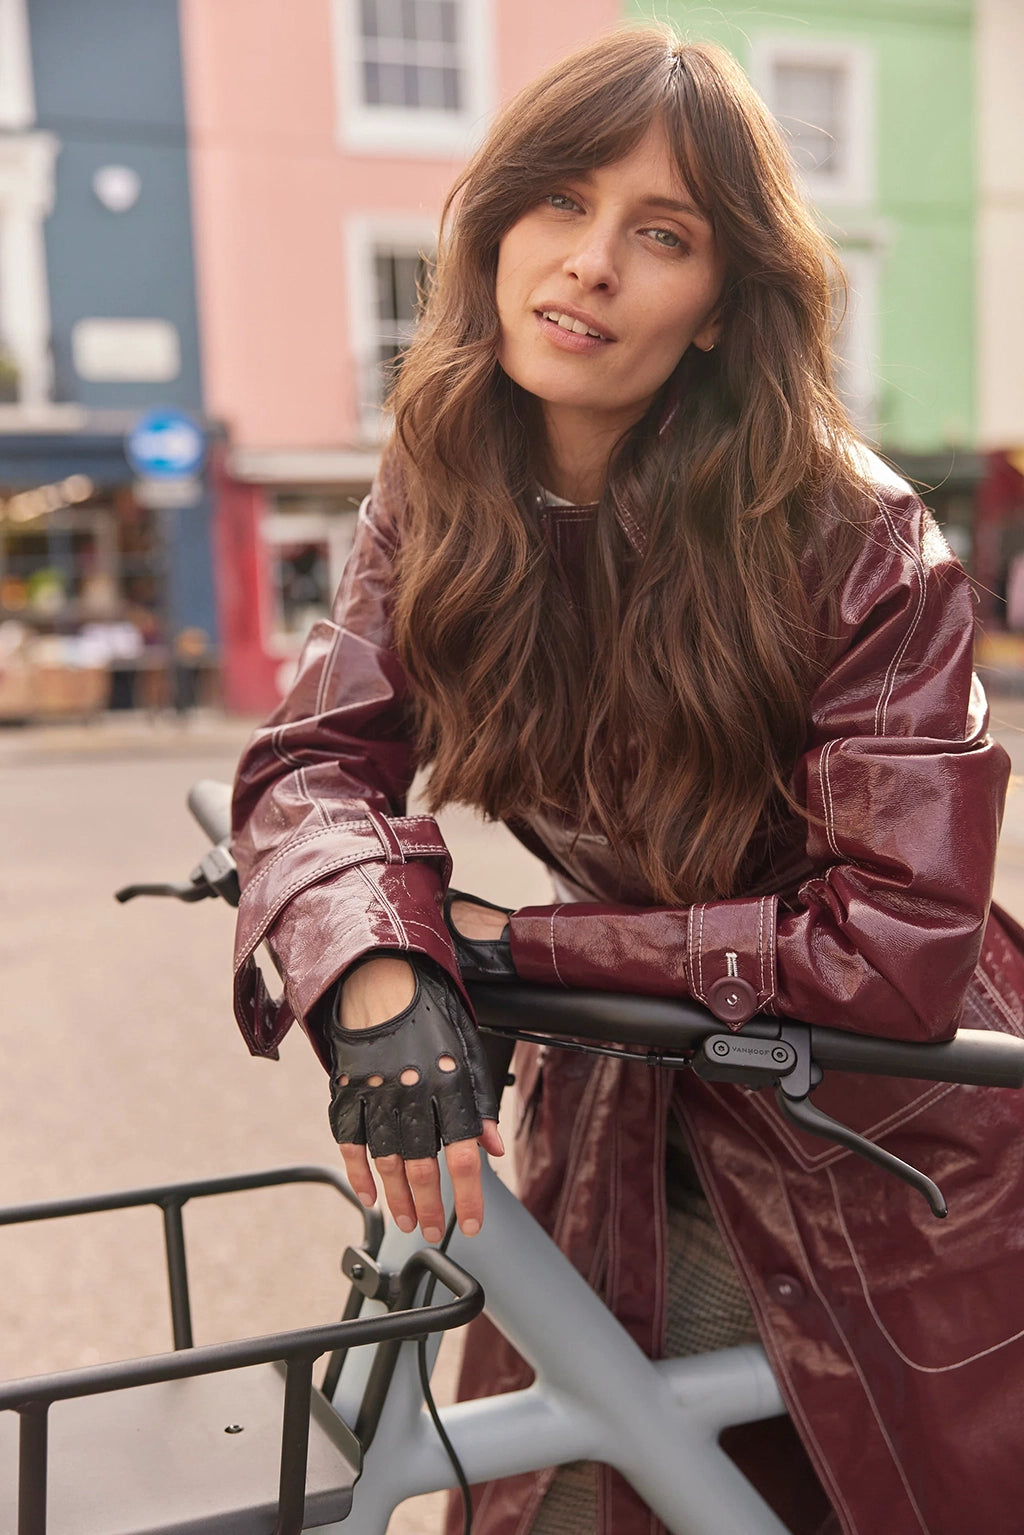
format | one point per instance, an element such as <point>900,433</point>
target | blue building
<point>97,325</point>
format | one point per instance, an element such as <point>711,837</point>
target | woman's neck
<point>576,453</point>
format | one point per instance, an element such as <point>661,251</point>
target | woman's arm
<point>904,795</point>
<point>331,866</point>
<point>334,872</point>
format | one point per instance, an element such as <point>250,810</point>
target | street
<point>123,1066</point>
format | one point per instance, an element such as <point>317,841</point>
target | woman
<point>627,582</point>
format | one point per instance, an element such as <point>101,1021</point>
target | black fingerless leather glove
<point>480,959</point>
<point>444,1103</point>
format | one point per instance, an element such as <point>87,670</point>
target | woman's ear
<point>706,338</point>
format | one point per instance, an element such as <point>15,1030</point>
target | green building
<point>877,99</point>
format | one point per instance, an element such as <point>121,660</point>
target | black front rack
<point>338,1451</point>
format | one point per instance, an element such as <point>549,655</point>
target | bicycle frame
<point>595,1396</point>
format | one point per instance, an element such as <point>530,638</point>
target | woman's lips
<point>570,340</point>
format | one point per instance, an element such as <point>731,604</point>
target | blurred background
<point>214,215</point>
<point>213,218</point>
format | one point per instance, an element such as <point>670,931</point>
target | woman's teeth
<point>568,323</point>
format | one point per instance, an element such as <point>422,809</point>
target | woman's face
<point>603,285</point>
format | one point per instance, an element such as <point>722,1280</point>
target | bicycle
<point>366,1432</point>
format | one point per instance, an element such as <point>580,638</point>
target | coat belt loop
<point>388,836</point>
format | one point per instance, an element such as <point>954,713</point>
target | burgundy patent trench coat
<point>897,1339</point>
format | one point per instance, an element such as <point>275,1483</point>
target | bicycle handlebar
<point>674,1026</point>
<point>210,802</point>
<point>974,1056</point>
<point>777,1052</point>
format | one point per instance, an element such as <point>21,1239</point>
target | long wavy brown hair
<point>666,708</point>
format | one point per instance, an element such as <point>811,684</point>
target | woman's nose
<point>593,261</point>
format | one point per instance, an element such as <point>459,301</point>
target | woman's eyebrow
<point>671,205</point>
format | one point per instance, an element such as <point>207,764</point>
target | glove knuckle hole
<point>410,1076</point>
<point>343,1079</point>
<point>375,1081</point>
<point>446,1062</point>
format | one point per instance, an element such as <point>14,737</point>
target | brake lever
<point>215,875</point>
<point>787,1064</point>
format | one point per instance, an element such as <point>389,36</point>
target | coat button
<point>785,1290</point>
<point>732,1000</point>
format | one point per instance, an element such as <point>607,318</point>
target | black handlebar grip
<point>210,802</point>
<point>975,1057</point>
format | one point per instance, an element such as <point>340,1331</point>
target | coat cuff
<point>690,951</point>
<point>376,883</point>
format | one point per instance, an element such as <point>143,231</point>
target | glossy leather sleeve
<point>877,924</point>
<point>331,866</point>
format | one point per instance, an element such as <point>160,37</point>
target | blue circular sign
<point>165,444</point>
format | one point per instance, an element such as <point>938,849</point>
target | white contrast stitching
<point>825,776</point>
<point>779,1364</point>
<point>700,952</point>
<point>326,673</point>
<point>884,698</point>
<point>922,1369</point>
<point>999,1002</point>
<point>437,850</point>
<point>391,910</point>
<point>773,951</point>
<point>551,940</point>
<point>855,1362</point>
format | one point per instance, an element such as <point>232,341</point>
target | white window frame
<point>278,528</point>
<point>26,198</point>
<point>413,131</point>
<point>365,235</point>
<point>861,333</point>
<point>857,186</point>
<point>17,96</point>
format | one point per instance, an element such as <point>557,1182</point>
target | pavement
<point>122,1065</point>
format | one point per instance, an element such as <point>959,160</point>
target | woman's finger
<point>357,1171</point>
<point>463,1158</point>
<point>392,1173</point>
<point>490,1139</point>
<point>424,1180</point>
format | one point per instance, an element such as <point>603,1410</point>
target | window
<point>308,538</point>
<point>410,55</point>
<point>17,106</point>
<point>389,262</point>
<point>823,97</point>
<point>26,197</point>
<point>413,75</point>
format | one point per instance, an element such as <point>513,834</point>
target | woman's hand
<point>419,1018</point>
<point>475,921</point>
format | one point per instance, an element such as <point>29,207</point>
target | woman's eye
<point>668,238</point>
<point>561,201</point>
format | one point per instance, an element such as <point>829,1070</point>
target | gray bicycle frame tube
<point>596,1396</point>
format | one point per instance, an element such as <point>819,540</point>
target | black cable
<point>428,1395</point>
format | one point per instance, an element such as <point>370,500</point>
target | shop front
<point>105,590</point>
<point>285,524</point>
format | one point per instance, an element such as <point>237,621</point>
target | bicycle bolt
<point>233,1428</point>
<point>357,1271</point>
<point>780,1055</point>
<point>720,1047</point>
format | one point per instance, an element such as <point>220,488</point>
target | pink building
<point>324,135</point>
